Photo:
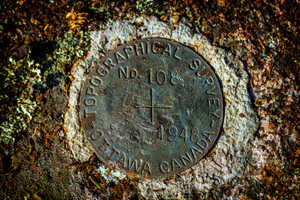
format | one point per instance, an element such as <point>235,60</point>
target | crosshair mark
<point>153,106</point>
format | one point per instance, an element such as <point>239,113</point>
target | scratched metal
<point>151,107</point>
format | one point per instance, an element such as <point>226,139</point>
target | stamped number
<point>172,133</point>
<point>160,77</point>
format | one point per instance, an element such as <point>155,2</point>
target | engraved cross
<point>154,106</point>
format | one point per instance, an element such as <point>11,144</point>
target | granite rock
<point>227,160</point>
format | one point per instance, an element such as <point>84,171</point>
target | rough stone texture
<point>227,160</point>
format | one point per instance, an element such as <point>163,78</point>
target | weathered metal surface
<point>152,107</point>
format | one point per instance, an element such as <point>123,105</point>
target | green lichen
<point>100,9</point>
<point>68,51</point>
<point>109,175</point>
<point>21,77</point>
<point>188,12</point>
<point>144,5</point>
<point>24,79</point>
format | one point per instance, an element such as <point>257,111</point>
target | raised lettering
<point>114,151</point>
<point>88,112</point>
<point>156,47</point>
<point>194,134</point>
<point>146,169</point>
<point>164,167</point>
<point>210,91</point>
<point>105,143</point>
<point>208,134</point>
<point>212,123</point>
<point>124,72</point>
<point>148,47</point>
<point>194,151</point>
<point>202,72</point>
<point>203,145</point>
<point>150,75</point>
<point>176,53</point>
<point>213,101</point>
<point>133,164</point>
<point>210,80</point>
<point>127,73</point>
<point>91,91</point>
<point>133,73</point>
<point>172,133</point>
<point>139,48</point>
<point>215,114</point>
<point>127,49</point>
<point>96,135</point>
<point>195,64</point>
<point>168,49</point>
<point>161,77</point>
<point>160,133</point>
<point>186,159</point>
<point>174,163</point>
<point>90,101</point>
<point>174,79</point>
<point>109,63</point>
<point>184,133</point>
<point>122,160</point>
<point>119,57</point>
<point>96,81</point>
<point>102,71</point>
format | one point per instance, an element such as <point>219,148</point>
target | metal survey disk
<point>151,107</point>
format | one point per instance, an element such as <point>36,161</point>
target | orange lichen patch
<point>87,166</point>
<point>53,133</point>
<point>222,15</point>
<point>76,20</point>
<point>221,3</point>
<point>36,197</point>
<point>174,19</point>
<point>123,189</point>
<point>251,82</point>
<point>196,48</point>
<point>47,142</point>
<point>226,100</point>
<point>258,102</point>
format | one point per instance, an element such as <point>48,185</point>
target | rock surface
<point>227,160</point>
